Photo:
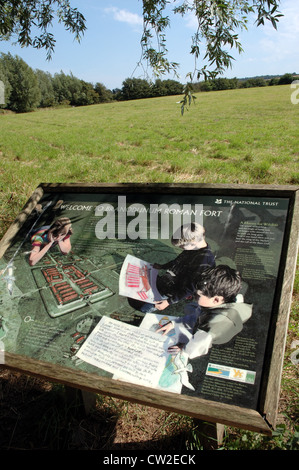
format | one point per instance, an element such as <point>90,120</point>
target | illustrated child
<point>176,283</point>
<point>216,317</point>
<point>44,238</point>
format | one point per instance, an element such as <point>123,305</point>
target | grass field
<point>237,136</point>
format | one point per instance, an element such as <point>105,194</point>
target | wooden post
<point>210,435</point>
<point>82,400</point>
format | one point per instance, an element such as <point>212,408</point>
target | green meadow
<point>243,136</point>
<point>233,136</point>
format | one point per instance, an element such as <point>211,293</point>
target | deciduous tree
<point>218,24</point>
<point>25,93</point>
<point>30,21</point>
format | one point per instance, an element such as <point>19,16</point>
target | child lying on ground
<point>44,238</point>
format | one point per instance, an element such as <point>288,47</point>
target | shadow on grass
<point>36,415</point>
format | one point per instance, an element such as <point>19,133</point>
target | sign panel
<point>173,289</point>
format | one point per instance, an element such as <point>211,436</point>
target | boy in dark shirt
<point>176,283</point>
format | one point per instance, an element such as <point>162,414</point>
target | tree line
<point>26,89</point>
<point>217,84</point>
<point>218,25</point>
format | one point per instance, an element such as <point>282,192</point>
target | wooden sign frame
<point>262,417</point>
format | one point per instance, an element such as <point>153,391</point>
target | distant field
<point>235,136</point>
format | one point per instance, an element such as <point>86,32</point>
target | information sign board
<point>107,288</point>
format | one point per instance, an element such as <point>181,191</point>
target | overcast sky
<point>110,48</point>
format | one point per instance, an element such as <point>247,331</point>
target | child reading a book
<point>176,283</point>
<point>216,317</point>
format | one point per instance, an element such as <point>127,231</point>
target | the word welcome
<point>138,221</point>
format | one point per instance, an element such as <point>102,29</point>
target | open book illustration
<point>137,354</point>
<point>138,280</point>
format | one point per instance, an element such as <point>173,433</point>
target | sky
<point>110,50</point>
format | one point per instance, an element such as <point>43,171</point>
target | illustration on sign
<point>169,291</point>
